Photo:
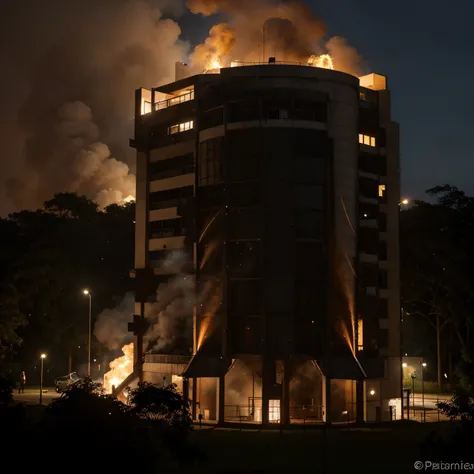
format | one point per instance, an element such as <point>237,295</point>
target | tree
<point>437,264</point>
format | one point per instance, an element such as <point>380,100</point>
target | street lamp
<point>405,202</point>
<point>423,365</point>
<point>413,377</point>
<point>88,293</point>
<point>43,356</point>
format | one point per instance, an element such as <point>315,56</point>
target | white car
<point>62,383</point>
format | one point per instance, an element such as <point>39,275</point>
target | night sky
<point>423,46</point>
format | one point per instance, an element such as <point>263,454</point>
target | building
<point>281,183</point>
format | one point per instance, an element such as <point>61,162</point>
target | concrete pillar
<point>285,398</point>
<point>323,398</point>
<point>186,390</point>
<point>220,400</point>
<point>268,380</point>
<point>328,401</point>
<point>361,414</point>
<point>193,406</point>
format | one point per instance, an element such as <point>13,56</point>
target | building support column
<point>221,400</point>
<point>360,402</point>
<point>194,401</point>
<point>185,390</point>
<point>285,394</point>
<point>268,380</point>
<point>328,401</point>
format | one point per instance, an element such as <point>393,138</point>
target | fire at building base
<point>280,184</point>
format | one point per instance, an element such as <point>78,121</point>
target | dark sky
<point>426,49</point>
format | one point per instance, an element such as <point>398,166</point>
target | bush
<point>6,389</point>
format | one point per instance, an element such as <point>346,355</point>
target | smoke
<point>287,30</point>
<point>111,328</point>
<point>218,45</point>
<point>68,84</point>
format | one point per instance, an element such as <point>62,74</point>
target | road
<point>31,396</point>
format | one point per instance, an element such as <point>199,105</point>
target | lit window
<point>146,107</point>
<point>381,190</point>
<point>366,140</point>
<point>181,127</point>
<point>274,411</point>
<point>360,335</point>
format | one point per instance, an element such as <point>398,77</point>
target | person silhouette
<point>21,388</point>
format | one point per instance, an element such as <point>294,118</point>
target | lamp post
<point>43,356</point>
<point>88,293</point>
<point>413,377</point>
<point>423,365</point>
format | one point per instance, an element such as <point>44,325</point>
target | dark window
<point>245,298</point>
<point>375,164</point>
<point>368,211</point>
<point>368,275</point>
<point>382,221</point>
<point>383,279</point>
<point>244,223</point>
<point>210,196</point>
<point>308,224</point>
<point>170,197</point>
<point>308,259</point>
<point>244,259</point>
<point>173,167</point>
<point>245,156</point>
<point>158,256</point>
<point>166,228</point>
<point>311,143</point>
<point>276,109</point>
<point>244,111</point>
<point>368,188</point>
<point>311,111</point>
<point>368,240</point>
<point>243,195</point>
<point>309,170</point>
<point>210,162</point>
<point>308,299</point>
<point>212,118</point>
<point>383,308</point>
<point>309,196</point>
<point>382,250</point>
<point>383,338</point>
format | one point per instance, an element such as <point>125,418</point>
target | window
<point>383,250</point>
<point>383,308</point>
<point>164,104</point>
<point>244,111</point>
<point>245,298</point>
<point>244,259</point>
<point>383,279</point>
<point>247,335</point>
<point>245,223</point>
<point>166,228</point>
<point>210,162</point>
<point>308,224</point>
<point>360,335</point>
<point>309,259</point>
<point>382,190</point>
<point>146,108</point>
<point>244,195</point>
<point>181,127</point>
<point>309,170</point>
<point>309,196</point>
<point>173,167</point>
<point>382,222</point>
<point>366,140</point>
<point>170,197</point>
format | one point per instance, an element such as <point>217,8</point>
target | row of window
<point>366,140</point>
<point>170,197</point>
<point>166,228</point>
<point>173,167</point>
<point>181,127</point>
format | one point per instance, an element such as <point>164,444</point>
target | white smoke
<point>111,328</point>
<point>68,86</point>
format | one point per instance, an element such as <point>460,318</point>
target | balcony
<point>164,104</point>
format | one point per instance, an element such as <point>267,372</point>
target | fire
<point>121,368</point>
<point>128,199</point>
<point>213,65</point>
<point>324,61</point>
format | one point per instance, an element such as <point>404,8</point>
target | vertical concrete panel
<point>141,212</point>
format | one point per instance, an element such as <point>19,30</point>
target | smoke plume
<point>111,328</point>
<point>68,84</point>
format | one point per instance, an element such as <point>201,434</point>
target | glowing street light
<point>405,202</point>
<point>43,356</point>
<point>88,293</point>
<point>404,364</point>
<point>372,392</point>
<point>423,365</point>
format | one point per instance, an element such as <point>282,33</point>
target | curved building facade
<point>273,180</point>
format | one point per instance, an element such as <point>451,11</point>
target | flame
<point>129,199</point>
<point>213,65</point>
<point>324,61</point>
<point>121,368</point>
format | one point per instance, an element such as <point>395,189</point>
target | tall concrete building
<point>281,185</point>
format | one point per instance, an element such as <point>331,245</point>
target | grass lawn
<point>393,449</point>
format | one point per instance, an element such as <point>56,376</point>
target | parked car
<point>62,383</point>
